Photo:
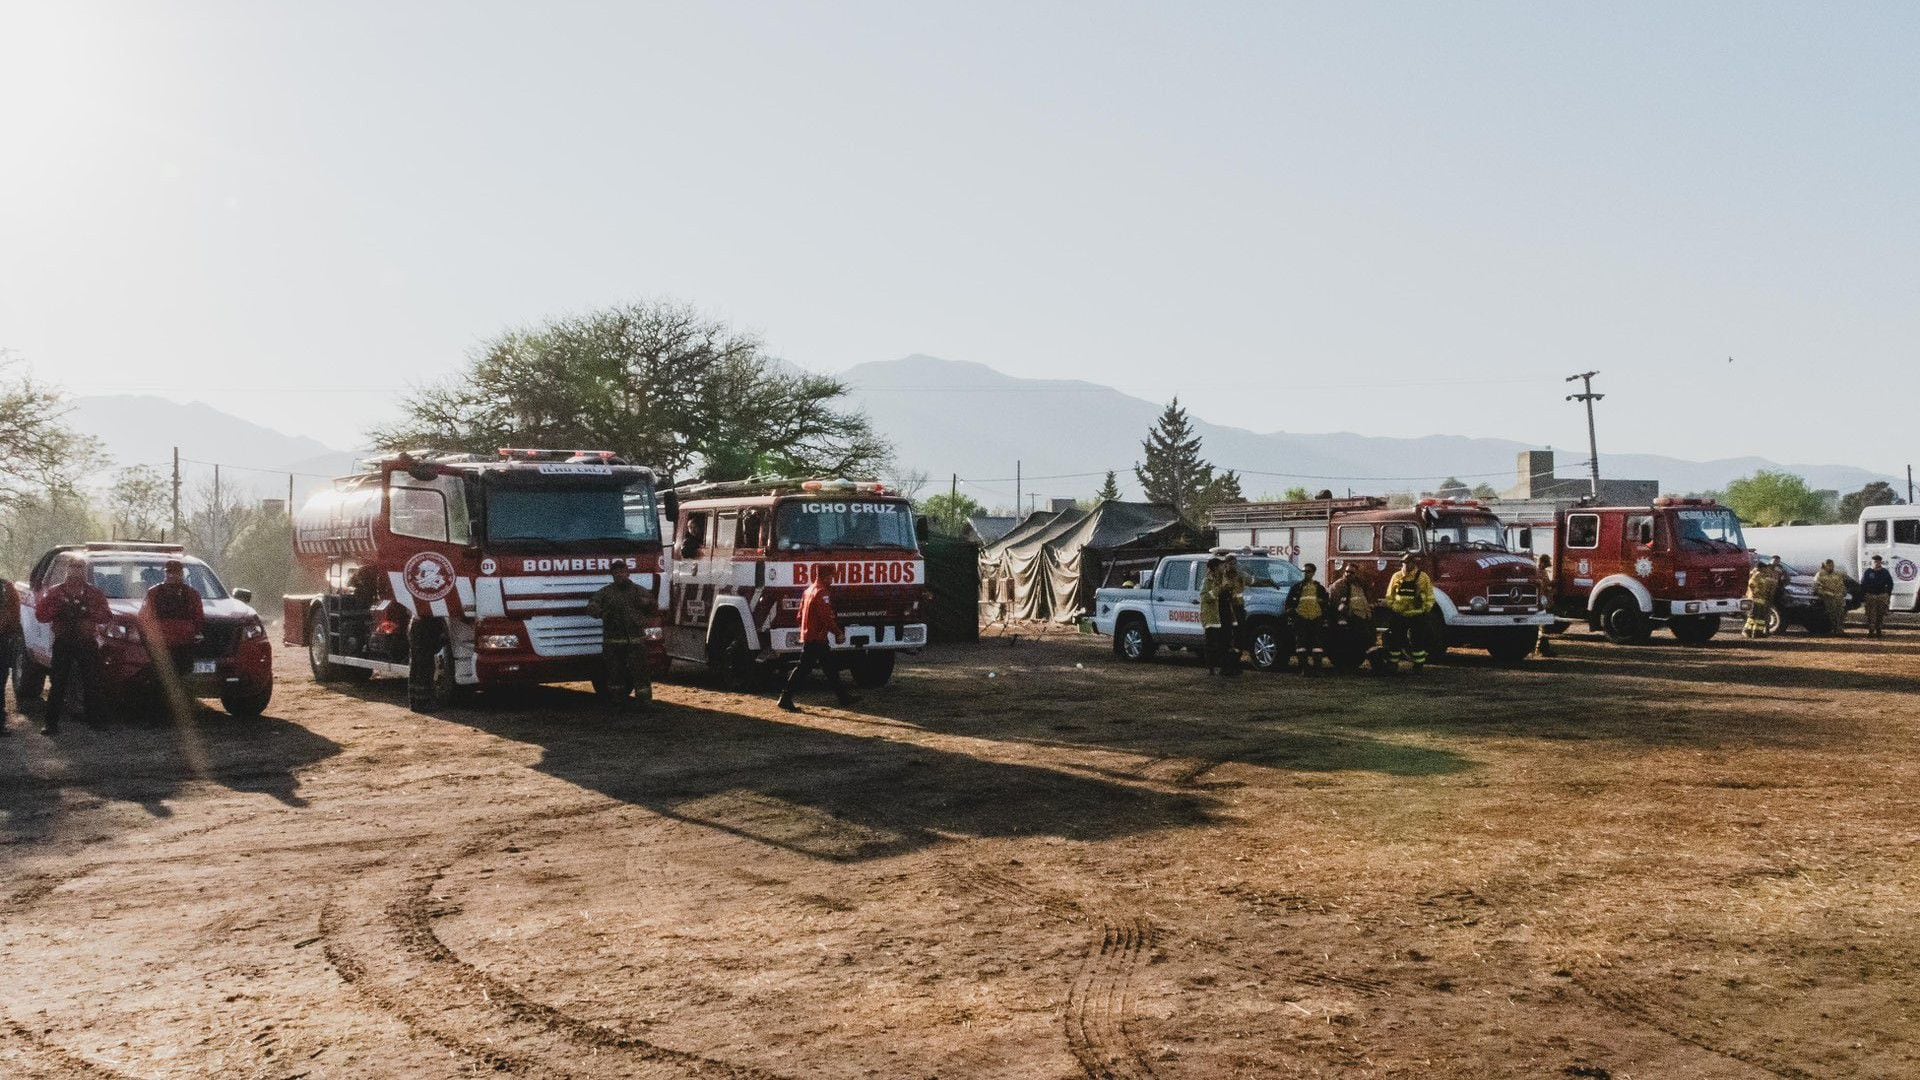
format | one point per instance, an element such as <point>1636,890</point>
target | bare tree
<point>139,503</point>
<point>39,453</point>
<point>214,518</point>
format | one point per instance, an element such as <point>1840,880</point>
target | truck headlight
<point>253,631</point>
<point>656,633</point>
<point>1478,603</point>
<point>500,642</point>
<point>123,632</point>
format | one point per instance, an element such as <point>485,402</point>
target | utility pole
<point>213,520</point>
<point>176,495</point>
<point>1909,485</point>
<point>289,494</point>
<point>1016,489</point>
<point>1593,443</point>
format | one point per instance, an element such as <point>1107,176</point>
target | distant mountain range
<point>948,417</point>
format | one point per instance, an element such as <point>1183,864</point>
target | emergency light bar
<point>136,545</point>
<point>571,457</point>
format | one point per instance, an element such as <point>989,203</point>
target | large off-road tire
<point>872,670</point>
<point>729,658</point>
<point>1268,645</point>
<point>247,704</point>
<point>1513,645</point>
<point>1132,640</point>
<point>1694,629</point>
<point>1622,621</point>
<point>29,678</point>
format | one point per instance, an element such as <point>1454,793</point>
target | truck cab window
<point>1398,538</point>
<point>433,509</point>
<point>753,529</point>
<point>1640,530</point>
<point>1583,531</point>
<point>1175,577</point>
<point>1906,531</point>
<point>694,536</point>
<point>1356,539</point>
<point>1873,532</point>
<point>723,536</point>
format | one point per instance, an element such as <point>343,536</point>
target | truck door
<point>1176,600</point>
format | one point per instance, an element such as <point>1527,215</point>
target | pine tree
<point>1174,473</point>
<point>1222,490</point>
<point>1109,491</point>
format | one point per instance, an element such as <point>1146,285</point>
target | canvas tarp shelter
<point>1049,565</point>
<point>1076,556</point>
<point>1017,566</point>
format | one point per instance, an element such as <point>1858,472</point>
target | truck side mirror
<point>670,503</point>
<point>245,596</point>
<point>922,528</point>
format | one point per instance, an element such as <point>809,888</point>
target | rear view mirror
<point>922,528</point>
<point>245,596</point>
<point>670,503</point>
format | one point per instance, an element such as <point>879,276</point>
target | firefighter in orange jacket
<point>172,617</point>
<point>9,646</point>
<point>818,624</point>
<point>77,611</point>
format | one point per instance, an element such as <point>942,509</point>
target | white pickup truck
<point>1164,609</point>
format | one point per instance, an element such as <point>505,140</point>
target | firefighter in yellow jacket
<point>1410,604</point>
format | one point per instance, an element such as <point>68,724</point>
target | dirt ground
<point>1022,860</point>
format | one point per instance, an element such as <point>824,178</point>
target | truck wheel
<point>1267,645</point>
<point>1513,645</point>
<point>873,670</point>
<point>1132,640</point>
<point>1814,622</point>
<point>1695,629</point>
<point>29,678</point>
<point>1623,622</point>
<point>1776,620</point>
<point>247,704</point>
<point>729,658</point>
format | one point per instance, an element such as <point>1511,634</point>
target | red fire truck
<point>1625,570</point>
<point>1488,597</point>
<point>458,570</point>
<point>744,553</point>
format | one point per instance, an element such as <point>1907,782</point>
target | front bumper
<point>900,638</point>
<point>1490,620</point>
<point>1674,609</point>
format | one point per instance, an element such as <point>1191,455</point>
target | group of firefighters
<point>1769,579</point>
<point>1319,617</point>
<point>172,617</point>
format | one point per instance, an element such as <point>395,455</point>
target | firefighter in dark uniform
<point>622,610</point>
<point>172,617</point>
<point>76,611</point>
<point>9,646</point>
<point>1308,611</point>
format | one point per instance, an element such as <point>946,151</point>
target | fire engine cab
<point>1625,570</point>
<point>459,570</point>
<point>745,551</point>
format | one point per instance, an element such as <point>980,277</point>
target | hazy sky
<point>1394,219</point>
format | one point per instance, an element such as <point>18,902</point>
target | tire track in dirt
<point>379,936</point>
<point>1644,1010</point>
<point>35,1057</point>
<point>1100,999</point>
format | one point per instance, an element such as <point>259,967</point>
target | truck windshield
<point>1464,531</point>
<point>818,524</point>
<point>572,516</point>
<point>1712,529</point>
<point>1269,573</point>
<point>131,580</point>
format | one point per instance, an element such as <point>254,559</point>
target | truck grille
<point>216,641</point>
<point>564,635</point>
<point>1513,595</point>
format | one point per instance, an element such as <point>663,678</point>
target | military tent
<point>1078,555</point>
<point>1017,567</point>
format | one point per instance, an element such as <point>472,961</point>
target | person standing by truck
<point>10,645</point>
<point>1233,609</point>
<point>1759,602</point>
<point>76,611</point>
<point>172,615</point>
<point>1876,591</point>
<point>818,624</point>
<point>621,606</point>
<point>1409,604</point>
<point>1830,585</point>
<point>1543,647</point>
<point>1308,605</point>
<point>1214,648</point>
<point>1353,613</point>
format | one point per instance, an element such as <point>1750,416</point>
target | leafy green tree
<point>1297,494</point>
<point>261,558</point>
<point>1452,488</point>
<point>33,522</point>
<point>1173,473</point>
<point>1222,490</point>
<point>139,504</point>
<point>1877,493</point>
<point>1109,489</point>
<point>1485,492</point>
<point>948,513</point>
<point>39,453</point>
<point>657,382</point>
<point>1774,498</point>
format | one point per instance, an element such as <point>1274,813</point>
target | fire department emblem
<point>429,576</point>
<point>1906,570</point>
<point>1585,567</point>
<point>1643,567</point>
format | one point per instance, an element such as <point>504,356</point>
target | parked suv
<point>231,659</point>
<point>1165,609</point>
<point>1798,605</point>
